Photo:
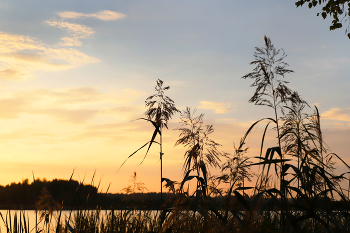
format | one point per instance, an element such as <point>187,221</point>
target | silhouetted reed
<point>297,188</point>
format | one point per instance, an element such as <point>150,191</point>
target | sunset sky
<point>74,75</point>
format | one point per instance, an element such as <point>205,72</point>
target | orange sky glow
<point>74,78</point>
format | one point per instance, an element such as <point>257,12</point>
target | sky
<point>74,76</point>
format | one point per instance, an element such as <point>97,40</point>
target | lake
<point>30,218</point>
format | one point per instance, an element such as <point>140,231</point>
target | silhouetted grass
<point>297,188</point>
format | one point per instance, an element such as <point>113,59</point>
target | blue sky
<point>74,74</point>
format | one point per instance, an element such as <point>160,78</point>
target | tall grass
<point>309,196</point>
<point>160,109</point>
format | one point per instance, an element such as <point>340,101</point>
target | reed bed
<point>297,188</point>
<point>92,221</point>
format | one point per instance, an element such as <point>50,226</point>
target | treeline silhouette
<point>25,195</point>
<point>71,194</point>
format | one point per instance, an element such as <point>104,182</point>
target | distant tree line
<point>67,193</point>
<point>71,194</point>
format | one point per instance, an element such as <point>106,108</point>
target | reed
<point>160,109</point>
<point>309,196</point>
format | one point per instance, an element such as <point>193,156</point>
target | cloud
<point>70,41</point>
<point>73,105</point>
<point>110,131</point>
<point>21,55</point>
<point>234,122</point>
<point>102,15</point>
<point>337,114</point>
<point>25,134</point>
<point>88,95</point>
<point>80,95</point>
<point>11,74</point>
<point>115,132</point>
<point>75,116</point>
<point>11,107</point>
<point>77,32</point>
<point>75,29</point>
<point>68,58</point>
<point>10,43</point>
<point>124,110</point>
<point>219,108</point>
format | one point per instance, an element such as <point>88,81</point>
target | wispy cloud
<point>70,41</point>
<point>21,55</point>
<point>75,116</point>
<point>73,105</point>
<point>11,74</point>
<point>11,107</point>
<point>230,121</point>
<point>219,108</point>
<point>337,114</point>
<point>102,15</point>
<point>109,131</point>
<point>25,134</point>
<point>76,31</point>
<point>10,43</point>
<point>125,131</point>
<point>79,31</point>
<point>124,109</point>
<point>70,96</point>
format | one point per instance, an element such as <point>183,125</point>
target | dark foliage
<point>73,193</point>
<point>339,10</point>
<point>160,107</point>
